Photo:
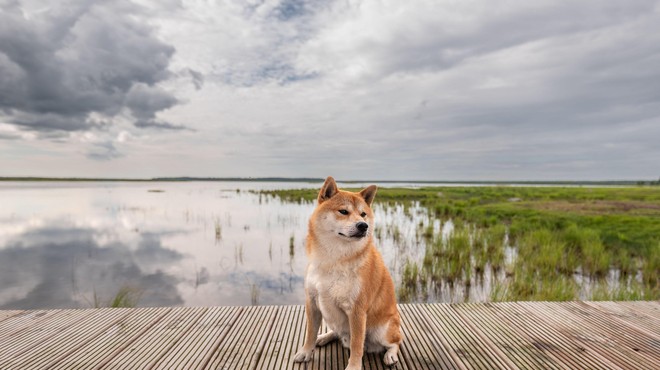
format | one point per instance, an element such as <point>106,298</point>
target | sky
<point>377,90</point>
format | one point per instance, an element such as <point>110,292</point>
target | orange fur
<point>347,282</point>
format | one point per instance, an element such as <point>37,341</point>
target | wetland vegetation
<point>205,243</point>
<point>519,243</point>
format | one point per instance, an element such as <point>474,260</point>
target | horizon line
<point>317,179</point>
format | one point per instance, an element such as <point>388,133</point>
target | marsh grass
<point>254,294</point>
<point>409,281</point>
<point>494,239</point>
<point>651,269</point>
<point>127,296</point>
<point>623,290</point>
<point>625,263</point>
<point>541,243</point>
<point>218,230</point>
<point>596,260</point>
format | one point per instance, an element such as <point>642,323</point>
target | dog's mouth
<point>357,235</point>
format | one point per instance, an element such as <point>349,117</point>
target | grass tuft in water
<point>127,296</point>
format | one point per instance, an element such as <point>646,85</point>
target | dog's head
<point>343,215</point>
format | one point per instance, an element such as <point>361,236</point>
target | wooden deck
<point>525,335</point>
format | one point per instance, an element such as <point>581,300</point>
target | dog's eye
<point>363,214</point>
<point>343,211</point>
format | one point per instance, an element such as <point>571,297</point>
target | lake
<point>96,244</point>
<point>77,244</point>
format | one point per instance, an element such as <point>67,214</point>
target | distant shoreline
<point>320,180</point>
<point>162,179</point>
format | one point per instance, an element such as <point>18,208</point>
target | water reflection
<point>208,244</point>
<point>56,266</point>
<point>193,244</point>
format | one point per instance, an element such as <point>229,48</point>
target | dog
<point>346,281</point>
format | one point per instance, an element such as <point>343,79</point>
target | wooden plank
<point>144,352</point>
<point>473,351</point>
<point>515,346</point>
<point>244,338</point>
<point>641,341</point>
<point>438,336</point>
<point>650,308</point>
<point>15,323</point>
<point>38,332</point>
<point>603,341</point>
<point>5,314</point>
<point>546,338</point>
<point>442,332</point>
<point>292,340</point>
<point>69,339</point>
<point>423,348</point>
<point>639,321</point>
<point>283,343</point>
<point>276,342</point>
<point>111,341</point>
<point>195,348</point>
<point>494,352</point>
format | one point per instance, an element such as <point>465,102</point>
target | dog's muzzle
<point>362,228</point>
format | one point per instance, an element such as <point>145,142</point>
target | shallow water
<point>201,244</point>
<point>189,243</point>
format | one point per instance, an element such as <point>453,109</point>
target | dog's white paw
<point>326,338</point>
<point>303,355</point>
<point>390,359</point>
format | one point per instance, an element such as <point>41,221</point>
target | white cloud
<point>390,89</point>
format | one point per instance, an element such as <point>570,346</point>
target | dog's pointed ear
<point>369,193</point>
<point>328,190</point>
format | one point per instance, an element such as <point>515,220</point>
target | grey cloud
<point>197,78</point>
<point>4,136</point>
<point>267,52</point>
<point>277,70</point>
<point>53,122</point>
<point>60,66</point>
<point>290,9</point>
<point>436,45</point>
<point>103,151</point>
<point>144,100</point>
<point>282,73</point>
<point>160,125</point>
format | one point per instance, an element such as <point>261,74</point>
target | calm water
<point>191,243</point>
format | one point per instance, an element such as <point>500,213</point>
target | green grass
<point>557,232</point>
<point>127,296</point>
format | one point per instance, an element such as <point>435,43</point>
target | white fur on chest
<point>336,290</point>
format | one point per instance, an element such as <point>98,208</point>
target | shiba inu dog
<point>347,283</point>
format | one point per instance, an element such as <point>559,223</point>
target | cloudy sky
<point>426,90</point>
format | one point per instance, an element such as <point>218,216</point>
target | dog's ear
<point>328,190</point>
<point>369,193</point>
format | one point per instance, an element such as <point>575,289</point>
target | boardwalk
<point>568,335</point>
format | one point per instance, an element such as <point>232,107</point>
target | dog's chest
<point>337,286</point>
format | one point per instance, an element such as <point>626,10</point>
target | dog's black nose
<point>362,226</point>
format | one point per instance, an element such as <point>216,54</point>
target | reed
<point>596,260</point>
<point>127,296</point>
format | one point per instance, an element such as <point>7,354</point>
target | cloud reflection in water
<point>69,245</point>
<point>57,267</point>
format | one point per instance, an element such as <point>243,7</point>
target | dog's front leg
<point>313,314</point>
<point>357,320</point>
